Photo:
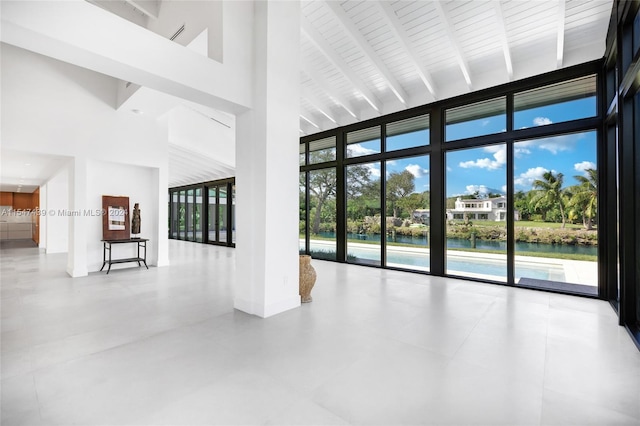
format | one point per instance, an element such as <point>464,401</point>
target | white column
<point>267,167</point>
<point>77,258</point>
<point>43,216</point>
<point>160,242</point>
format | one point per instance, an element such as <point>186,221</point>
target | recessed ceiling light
<point>137,111</point>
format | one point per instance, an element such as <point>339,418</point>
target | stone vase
<point>307,278</point>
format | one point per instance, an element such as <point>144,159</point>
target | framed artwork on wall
<point>115,218</point>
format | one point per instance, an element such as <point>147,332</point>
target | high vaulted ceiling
<point>361,59</point>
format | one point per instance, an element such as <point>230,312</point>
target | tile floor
<point>164,346</point>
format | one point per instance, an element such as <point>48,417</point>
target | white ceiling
<point>25,172</point>
<point>362,59</point>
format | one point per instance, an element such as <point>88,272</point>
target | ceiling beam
<point>197,159</point>
<point>308,120</point>
<point>333,94</point>
<point>318,40</point>
<point>388,14</point>
<point>502,29</point>
<point>560,47</point>
<point>317,104</point>
<point>151,8</point>
<point>457,50</point>
<point>353,32</point>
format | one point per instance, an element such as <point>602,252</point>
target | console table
<point>107,246</point>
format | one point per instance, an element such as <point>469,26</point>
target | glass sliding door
<point>364,213</point>
<point>233,214</point>
<point>302,214</point>
<point>222,222</point>
<point>174,215</point>
<point>556,193</point>
<point>197,215</point>
<point>476,213</point>
<point>322,213</point>
<point>189,215</point>
<point>211,226</point>
<point>221,215</point>
<point>408,214</point>
<point>182,215</point>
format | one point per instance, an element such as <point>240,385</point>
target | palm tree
<point>586,196</point>
<point>548,193</point>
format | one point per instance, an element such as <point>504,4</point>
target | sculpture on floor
<point>135,221</point>
<point>307,278</point>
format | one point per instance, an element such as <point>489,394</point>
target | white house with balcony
<point>494,209</point>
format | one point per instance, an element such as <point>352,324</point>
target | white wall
<point>80,33</point>
<point>56,223</point>
<point>137,183</point>
<point>43,221</point>
<point>196,17</point>
<point>51,107</point>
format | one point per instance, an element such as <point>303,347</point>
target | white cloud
<point>483,190</point>
<point>374,172</point>
<point>504,189</point>
<point>485,123</point>
<point>521,149</point>
<point>557,144</point>
<point>358,150</point>
<point>449,169</point>
<point>499,159</point>
<point>526,179</point>
<point>416,170</point>
<point>480,189</point>
<point>542,121</point>
<point>584,166</point>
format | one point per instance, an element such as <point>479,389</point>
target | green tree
<point>585,197</point>
<point>522,203</point>
<point>322,185</point>
<point>399,186</point>
<point>549,194</point>
<point>412,202</point>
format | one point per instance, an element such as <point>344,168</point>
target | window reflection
<point>478,119</point>
<point>322,150</point>
<point>363,142</point>
<point>408,133</point>
<point>556,103</point>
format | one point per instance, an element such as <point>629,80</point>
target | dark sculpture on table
<point>135,221</point>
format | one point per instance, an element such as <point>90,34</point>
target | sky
<point>484,169</point>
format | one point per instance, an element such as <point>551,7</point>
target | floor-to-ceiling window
<point>189,216</point>
<point>499,186</point>
<point>556,179</point>
<point>320,212</point>
<point>202,213</point>
<point>197,213</point>
<point>476,212</point>
<point>623,165</point>
<point>212,209</point>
